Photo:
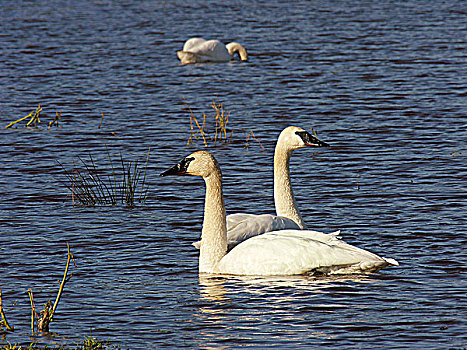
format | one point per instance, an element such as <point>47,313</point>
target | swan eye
<point>306,137</point>
<point>310,140</point>
<point>184,164</point>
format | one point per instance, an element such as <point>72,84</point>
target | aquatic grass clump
<point>40,322</point>
<point>221,119</point>
<point>221,133</point>
<point>89,185</point>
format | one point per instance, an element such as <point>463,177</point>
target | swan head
<point>294,137</point>
<point>200,163</point>
<point>234,47</point>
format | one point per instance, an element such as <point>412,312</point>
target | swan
<point>199,50</point>
<point>286,252</point>
<point>242,226</point>
<point>290,139</point>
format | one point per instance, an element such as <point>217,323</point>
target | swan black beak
<point>311,140</point>
<point>178,169</point>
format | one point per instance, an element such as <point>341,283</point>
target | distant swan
<point>241,226</point>
<point>286,252</point>
<point>199,50</point>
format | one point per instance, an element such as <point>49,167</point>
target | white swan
<point>241,226</point>
<point>286,252</point>
<point>198,50</point>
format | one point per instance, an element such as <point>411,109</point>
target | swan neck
<point>242,53</point>
<point>284,199</point>
<point>234,47</point>
<point>214,233</point>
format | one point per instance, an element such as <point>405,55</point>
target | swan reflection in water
<point>270,305</point>
<point>235,309</point>
<point>217,287</point>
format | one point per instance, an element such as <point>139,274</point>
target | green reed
<point>89,185</point>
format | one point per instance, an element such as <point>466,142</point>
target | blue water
<point>382,82</point>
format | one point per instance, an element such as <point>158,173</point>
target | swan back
<point>198,50</point>
<point>193,43</point>
<point>212,50</point>
<point>242,226</point>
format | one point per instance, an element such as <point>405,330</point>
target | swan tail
<point>187,57</point>
<point>363,267</point>
<point>391,261</point>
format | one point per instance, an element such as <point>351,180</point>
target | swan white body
<point>241,227</point>
<point>199,50</point>
<point>293,252</point>
<point>286,252</point>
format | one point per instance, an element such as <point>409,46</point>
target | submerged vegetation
<point>89,343</point>
<point>4,322</point>
<point>33,121</point>
<point>90,186</point>
<point>39,322</point>
<point>46,315</point>
<point>251,135</point>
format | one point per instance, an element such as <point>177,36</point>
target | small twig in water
<point>34,314</point>
<point>58,115</point>
<point>34,118</point>
<point>4,321</point>
<point>102,118</point>
<point>48,312</point>
<point>252,135</point>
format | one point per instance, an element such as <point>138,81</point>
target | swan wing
<point>241,226</point>
<point>291,252</point>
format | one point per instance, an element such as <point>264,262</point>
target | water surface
<point>382,82</point>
